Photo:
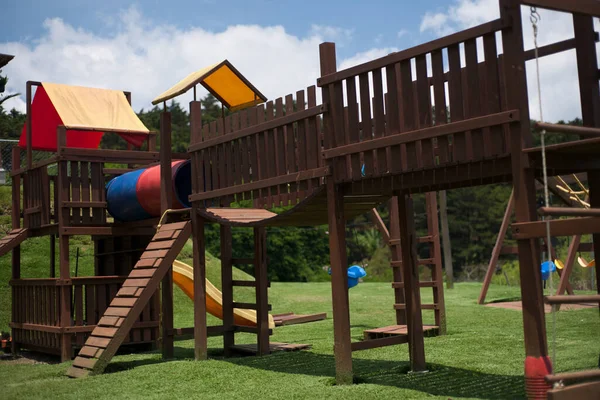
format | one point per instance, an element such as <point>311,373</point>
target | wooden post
<point>29,129</point>
<point>227,290</point>
<point>337,235</point>
<point>497,248</point>
<point>200,328</point>
<point>166,202</point>
<point>262,282</point>
<point>412,292</point>
<point>339,284</point>
<point>446,241</point>
<point>396,248</point>
<point>587,71</point>
<point>52,256</point>
<point>63,251</point>
<point>537,362</point>
<point>16,224</point>
<point>433,229</point>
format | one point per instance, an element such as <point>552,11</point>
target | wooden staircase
<point>12,240</point>
<point>124,310</point>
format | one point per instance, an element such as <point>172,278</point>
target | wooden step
<point>125,308</point>
<point>374,343</point>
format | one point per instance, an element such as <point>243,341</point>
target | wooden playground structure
<point>376,137</point>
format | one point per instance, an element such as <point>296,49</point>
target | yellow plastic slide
<point>183,276</point>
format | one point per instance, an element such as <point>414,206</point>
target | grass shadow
<point>505,300</point>
<point>441,380</point>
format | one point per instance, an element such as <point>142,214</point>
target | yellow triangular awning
<point>94,109</point>
<point>223,81</point>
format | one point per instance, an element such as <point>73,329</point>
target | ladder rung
<point>569,211</point>
<point>400,285</point>
<point>423,306</point>
<point>571,376</point>
<point>571,299</point>
<point>425,239</point>
<point>248,306</point>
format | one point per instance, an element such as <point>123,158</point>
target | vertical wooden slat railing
<point>268,155</point>
<point>402,103</point>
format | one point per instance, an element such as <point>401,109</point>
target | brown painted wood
<point>382,342</point>
<point>497,249</point>
<point>339,285</point>
<point>262,301</point>
<point>572,299</point>
<point>131,314</point>
<point>200,324</point>
<point>583,391</point>
<point>580,6</point>
<point>407,54</point>
<point>396,249</point>
<point>411,287</point>
<point>227,290</point>
<point>423,110</point>
<point>534,325</point>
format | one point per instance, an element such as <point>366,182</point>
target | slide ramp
<point>183,276</point>
<point>125,308</point>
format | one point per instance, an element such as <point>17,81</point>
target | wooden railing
<point>269,155</point>
<point>406,131</point>
<point>36,318</point>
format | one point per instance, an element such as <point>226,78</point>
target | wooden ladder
<point>125,308</point>
<point>434,262</point>
<point>12,240</point>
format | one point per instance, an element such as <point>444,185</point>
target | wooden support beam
<point>262,301</point>
<point>574,299</point>
<point>396,249</point>
<point>534,322</point>
<point>227,290</point>
<point>200,331</point>
<point>497,248</point>
<point>380,225</point>
<point>435,253</point>
<point>446,246</point>
<point>410,273</point>
<point>166,203</point>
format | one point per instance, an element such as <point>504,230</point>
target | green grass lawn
<point>481,357</point>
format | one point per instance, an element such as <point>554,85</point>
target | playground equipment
<point>405,149</point>
<point>183,276</point>
<point>355,273</point>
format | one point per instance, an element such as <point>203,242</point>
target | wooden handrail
<point>572,376</point>
<point>471,33</point>
<point>572,299</point>
<point>576,130</point>
<point>569,211</point>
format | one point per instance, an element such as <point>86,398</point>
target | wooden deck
<point>397,330</point>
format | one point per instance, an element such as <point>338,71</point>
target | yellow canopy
<point>93,109</point>
<point>224,81</point>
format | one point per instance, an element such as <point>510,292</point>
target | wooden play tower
<point>375,137</point>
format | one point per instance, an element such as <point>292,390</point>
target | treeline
<point>302,254</point>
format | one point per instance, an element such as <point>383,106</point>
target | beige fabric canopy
<point>93,109</point>
<point>224,81</point>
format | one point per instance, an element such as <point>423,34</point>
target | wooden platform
<point>397,330</point>
<point>517,306</point>
<point>292,319</point>
<point>273,346</point>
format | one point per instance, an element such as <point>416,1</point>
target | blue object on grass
<point>547,268</point>
<point>355,272</point>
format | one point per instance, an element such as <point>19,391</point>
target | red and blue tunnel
<point>135,195</point>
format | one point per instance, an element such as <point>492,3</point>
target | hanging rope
<point>535,18</point>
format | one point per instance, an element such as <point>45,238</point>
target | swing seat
<point>582,261</point>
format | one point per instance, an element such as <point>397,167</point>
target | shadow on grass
<point>505,300</point>
<point>441,380</point>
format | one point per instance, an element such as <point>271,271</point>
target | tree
<point>3,83</point>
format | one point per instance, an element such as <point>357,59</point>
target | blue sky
<point>371,22</point>
<point>146,46</point>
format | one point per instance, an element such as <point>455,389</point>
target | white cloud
<point>402,33</point>
<point>558,73</point>
<point>148,59</point>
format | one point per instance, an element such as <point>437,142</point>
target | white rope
<point>535,18</point>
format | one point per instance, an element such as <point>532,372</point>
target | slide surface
<point>183,276</point>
